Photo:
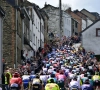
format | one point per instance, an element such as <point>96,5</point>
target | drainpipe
<point>22,15</point>
<point>1,47</point>
<point>15,63</point>
<point>40,33</point>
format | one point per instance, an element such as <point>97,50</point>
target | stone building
<point>53,23</point>
<point>12,33</point>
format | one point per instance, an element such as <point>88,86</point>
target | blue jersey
<point>26,80</point>
<point>32,77</point>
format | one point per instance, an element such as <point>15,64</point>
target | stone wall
<point>53,23</point>
<point>9,34</point>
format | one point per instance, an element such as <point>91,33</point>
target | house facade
<point>91,37</point>
<point>86,21</point>
<point>46,18</point>
<point>76,22</point>
<point>53,22</point>
<point>42,32</point>
<point>67,25</point>
<point>36,28</point>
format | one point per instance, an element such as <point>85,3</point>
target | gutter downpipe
<point>15,64</point>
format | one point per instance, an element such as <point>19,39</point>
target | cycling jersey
<point>96,77</point>
<point>52,86</point>
<point>74,84</point>
<point>32,77</point>
<point>44,79</point>
<point>36,84</point>
<point>26,80</point>
<point>87,87</point>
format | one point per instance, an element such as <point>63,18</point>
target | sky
<point>90,5</point>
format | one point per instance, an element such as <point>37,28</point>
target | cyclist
<point>37,83</point>
<point>96,80</point>
<point>26,80</point>
<point>44,78</point>
<point>74,84</point>
<point>16,81</point>
<point>53,77</point>
<point>86,85</point>
<point>51,85</point>
<point>61,79</point>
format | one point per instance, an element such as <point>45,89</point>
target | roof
<point>26,13</point>
<point>96,14</point>
<point>75,11</point>
<point>90,25</point>
<point>47,5</point>
<point>2,12</point>
<point>36,8</point>
<point>87,11</point>
<point>44,13</point>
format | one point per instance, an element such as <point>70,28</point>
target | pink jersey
<point>61,77</point>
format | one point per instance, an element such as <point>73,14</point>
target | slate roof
<point>90,25</point>
<point>47,5</point>
<point>95,14</point>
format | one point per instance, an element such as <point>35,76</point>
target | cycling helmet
<point>16,74</point>
<point>50,80</point>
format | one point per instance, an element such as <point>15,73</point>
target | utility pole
<point>60,19</point>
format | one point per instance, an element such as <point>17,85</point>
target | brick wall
<point>77,18</point>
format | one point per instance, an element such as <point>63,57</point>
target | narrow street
<point>49,45</point>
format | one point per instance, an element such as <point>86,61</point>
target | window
<point>73,30</point>
<point>36,23</point>
<point>76,24</point>
<point>36,42</point>
<point>30,35</point>
<point>34,39</point>
<point>67,21</point>
<point>98,32</point>
<point>42,29</point>
<point>38,26</point>
<point>32,16</point>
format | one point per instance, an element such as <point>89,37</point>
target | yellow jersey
<point>52,86</point>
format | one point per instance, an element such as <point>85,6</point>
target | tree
<point>65,6</point>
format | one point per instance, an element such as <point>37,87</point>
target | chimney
<point>69,10</point>
<point>45,4</point>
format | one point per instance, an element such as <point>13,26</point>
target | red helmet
<point>16,74</point>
